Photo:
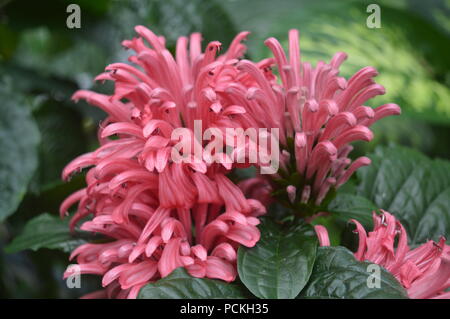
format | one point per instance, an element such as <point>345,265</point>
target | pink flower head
<point>423,271</point>
<point>318,112</point>
<point>138,198</point>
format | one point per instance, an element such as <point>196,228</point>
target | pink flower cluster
<point>158,215</point>
<point>315,108</point>
<point>423,271</point>
<point>144,203</point>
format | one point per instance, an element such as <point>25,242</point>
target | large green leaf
<point>412,187</point>
<point>19,138</point>
<point>337,274</point>
<point>180,285</point>
<point>63,139</point>
<point>281,262</point>
<point>45,231</point>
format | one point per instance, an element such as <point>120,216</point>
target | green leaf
<point>337,274</point>
<point>8,44</point>
<point>281,262</point>
<point>175,18</point>
<point>19,138</point>
<point>58,124</point>
<point>45,231</point>
<point>54,53</point>
<point>348,206</point>
<point>412,187</point>
<point>180,285</point>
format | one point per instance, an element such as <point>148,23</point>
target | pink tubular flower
<point>423,271</point>
<point>318,113</point>
<point>145,204</point>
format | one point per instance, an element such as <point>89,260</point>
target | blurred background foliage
<point>42,63</point>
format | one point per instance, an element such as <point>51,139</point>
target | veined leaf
<point>180,285</point>
<point>412,187</point>
<point>19,139</point>
<point>348,206</point>
<point>45,231</point>
<point>281,262</point>
<point>337,274</point>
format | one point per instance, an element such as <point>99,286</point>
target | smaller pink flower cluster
<point>315,108</point>
<point>423,271</point>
